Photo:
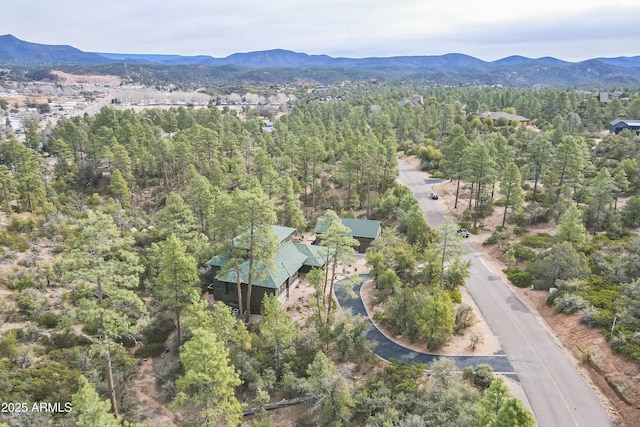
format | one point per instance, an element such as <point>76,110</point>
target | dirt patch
<point>79,79</point>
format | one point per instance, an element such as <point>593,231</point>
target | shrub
<point>465,224</point>
<point>519,278</point>
<point>26,303</point>
<point>13,241</point>
<point>521,252</point>
<point>570,303</point>
<point>47,320</point>
<point>464,317</point>
<point>498,237</point>
<point>153,349</point>
<point>66,340</point>
<point>158,330</point>
<point>540,240</point>
<point>19,225</point>
<point>589,316</point>
<point>455,296</point>
<point>23,282</point>
<point>483,377</point>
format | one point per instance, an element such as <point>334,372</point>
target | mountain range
<point>455,68</point>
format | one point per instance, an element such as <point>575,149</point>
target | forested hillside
<point>108,224</point>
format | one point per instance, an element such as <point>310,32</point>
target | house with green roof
<point>289,261</point>
<point>364,231</point>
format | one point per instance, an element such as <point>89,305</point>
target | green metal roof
<point>281,233</point>
<point>218,261</point>
<point>359,227</point>
<point>286,261</point>
<point>316,255</point>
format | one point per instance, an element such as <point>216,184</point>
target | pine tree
<point>511,189</point>
<point>339,248</point>
<point>257,213</point>
<point>201,196</point>
<point>571,229</point>
<point>119,188</point>
<point>89,409</point>
<point>177,277</point>
<point>209,380</point>
<point>106,270</point>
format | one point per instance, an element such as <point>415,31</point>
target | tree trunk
<point>178,326</point>
<point>333,279</point>
<point>455,205</point>
<point>107,357</point>
<point>506,206</point>
<point>249,279</point>
<point>276,405</point>
<point>112,389</point>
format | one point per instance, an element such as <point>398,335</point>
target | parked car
<point>464,232</point>
<point>434,196</point>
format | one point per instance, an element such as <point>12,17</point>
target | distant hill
<point>452,68</point>
<point>16,51</point>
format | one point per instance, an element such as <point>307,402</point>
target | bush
<point>19,225</point>
<point>158,330</point>
<point>483,377</point>
<point>570,303</point>
<point>455,296</point>
<point>540,240</point>
<point>498,237</point>
<point>153,349</point>
<point>589,316</point>
<point>66,340</point>
<point>464,318</point>
<point>519,278</point>
<point>521,252</point>
<point>47,320</point>
<point>13,241</point>
<point>24,282</point>
<point>465,224</point>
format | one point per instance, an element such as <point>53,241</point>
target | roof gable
<point>282,234</point>
<point>286,262</point>
<point>366,228</point>
<point>499,114</point>
<point>625,122</point>
<point>316,255</point>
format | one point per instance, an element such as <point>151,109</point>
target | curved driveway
<point>559,396</point>
<point>386,348</point>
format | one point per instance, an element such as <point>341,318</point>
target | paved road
<point>386,348</point>
<point>559,396</point>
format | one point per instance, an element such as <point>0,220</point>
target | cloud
<point>355,28</point>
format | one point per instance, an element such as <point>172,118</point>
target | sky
<point>489,30</point>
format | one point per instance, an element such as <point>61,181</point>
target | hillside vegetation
<point>108,224</point>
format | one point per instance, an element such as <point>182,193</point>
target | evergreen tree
<point>119,188</point>
<point>511,190</point>
<point>453,163</point>
<point>106,271</point>
<point>480,170</point>
<point>339,248</point>
<point>209,380</point>
<point>571,229</point>
<point>177,277</point>
<point>89,410</point>
<point>278,332</point>
<point>201,196</point>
